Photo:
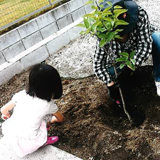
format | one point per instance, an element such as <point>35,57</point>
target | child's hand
<point>57,117</point>
<point>5,117</point>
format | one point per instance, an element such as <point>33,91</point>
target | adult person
<point>140,36</point>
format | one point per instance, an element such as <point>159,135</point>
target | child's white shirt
<point>27,115</point>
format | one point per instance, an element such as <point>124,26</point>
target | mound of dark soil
<point>95,128</point>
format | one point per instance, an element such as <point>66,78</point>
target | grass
<point>11,10</point>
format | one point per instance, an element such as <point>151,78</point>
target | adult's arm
<point>100,66</point>
<point>144,45</point>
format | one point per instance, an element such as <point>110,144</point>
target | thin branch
<point>97,5</point>
<point>120,91</point>
<point>122,98</point>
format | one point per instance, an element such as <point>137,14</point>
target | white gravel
<point>75,59</point>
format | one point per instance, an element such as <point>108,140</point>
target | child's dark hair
<point>44,82</point>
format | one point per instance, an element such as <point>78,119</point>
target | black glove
<point>123,77</point>
<point>114,93</point>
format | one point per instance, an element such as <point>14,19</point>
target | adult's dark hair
<point>44,82</point>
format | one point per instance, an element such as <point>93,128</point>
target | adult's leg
<point>156,55</point>
<point>156,59</point>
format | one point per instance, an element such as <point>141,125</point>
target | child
<point>26,129</point>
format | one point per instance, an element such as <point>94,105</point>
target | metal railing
<point>14,11</point>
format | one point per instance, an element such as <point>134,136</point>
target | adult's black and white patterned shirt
<point>139,40</point>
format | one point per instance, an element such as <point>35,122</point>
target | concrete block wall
<point>36,40</point>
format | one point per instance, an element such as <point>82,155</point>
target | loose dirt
<point>94,127</point>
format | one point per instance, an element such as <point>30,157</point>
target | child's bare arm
<point>57,117</point>
<point>6,108</point>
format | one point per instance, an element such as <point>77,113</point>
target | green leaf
<point>80,25</point>
<point>118,30</point>
<point>85,32</point>
<point>109,22</point>
<point>101,6</point>
<point>121,59</point>
<point>125,54</point>
<point>107,9</point>
<point>94,12</point>
<point>133,61</point>
<point>107,19</point>
<point>101,29</point>
<point>108,25</point>
<point>87,22</point>
<point>94,7</point>
<point>105,15</point>
<point>102,42</point>
<point>109,3</point>
<point>110,36</point>
<point>121,22</point>
<point>122,65</point>
<point>118,37</point>
<point>94,26</point>
<point>132,54</point>
<point>102,36</point>
<point>88,15</point>
<point>117,7</point>
<point>93,19</point>
<point>89,2</point>
<point>117,12</point>
<point>130,65</point>
<point>133,67</point>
